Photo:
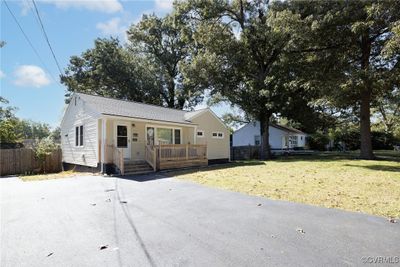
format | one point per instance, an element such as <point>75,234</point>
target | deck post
<point>103,144</point>
<point>187,151</point>
<point>121,160</point>
<point>154,158</point>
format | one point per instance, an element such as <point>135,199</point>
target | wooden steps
<point>134,167</point>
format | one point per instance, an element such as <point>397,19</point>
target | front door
<point>122,139</point>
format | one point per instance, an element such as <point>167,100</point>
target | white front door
<point>122,138</point>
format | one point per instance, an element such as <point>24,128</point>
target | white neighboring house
<point>280,137</point>
<point>126,136</point>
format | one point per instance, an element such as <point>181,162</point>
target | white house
<point>280,137</point>
<point>131,137</point>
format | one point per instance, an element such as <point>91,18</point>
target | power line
<point>28,40</point>
<point>47,38</point>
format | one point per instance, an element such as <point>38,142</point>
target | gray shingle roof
<point>287,128</point>
<point>116,107</point>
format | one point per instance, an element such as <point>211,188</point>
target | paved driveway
<point>166,222</point>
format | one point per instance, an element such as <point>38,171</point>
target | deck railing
<point>165,156</point>
<point>181,152</point>
<point>151,156</point>
<point>118,158</point>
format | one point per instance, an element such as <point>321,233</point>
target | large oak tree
<point>356,59</point>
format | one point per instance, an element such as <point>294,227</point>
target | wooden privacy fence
<point>23,160</point>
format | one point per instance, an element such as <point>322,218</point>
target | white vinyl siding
<point>86,153</point>
<point>247,135</point>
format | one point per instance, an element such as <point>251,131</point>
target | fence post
<point>187,151</point>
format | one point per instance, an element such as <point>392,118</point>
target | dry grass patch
<point>48,176</point>
<point>329,181</point>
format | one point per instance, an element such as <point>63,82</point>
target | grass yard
<point>327,180</point>
<point>47,176</point>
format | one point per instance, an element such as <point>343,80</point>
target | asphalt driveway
<point>167,222</point>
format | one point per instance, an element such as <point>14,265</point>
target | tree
<point>243,56</point>
<point>355,54</point>
<point>55,135</point>
<point>388,111</point>
<point>42,149</point>
<point>28,129</point>
<point>166,43</point>
<point>111,70</point>
<point>8,123</point>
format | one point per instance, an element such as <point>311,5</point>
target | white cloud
<point>30,75</point>
<point>107,6</point>
<point>163,5</point>
<point>111,27</point>
<point>2,74</point>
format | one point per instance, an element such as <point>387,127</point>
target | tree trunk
<point>365,109</point>
<point>265,152</point>
<point>365,126</point>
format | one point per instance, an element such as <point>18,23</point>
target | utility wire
<point>46,37</point>
<point>28,40</point>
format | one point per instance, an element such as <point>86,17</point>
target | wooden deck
<point>163,157</point>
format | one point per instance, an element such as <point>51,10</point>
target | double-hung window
<point>218,135</point>
<point>79,135</point>
<point>200,133</point>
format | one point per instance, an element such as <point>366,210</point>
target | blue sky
<point>32,84</point>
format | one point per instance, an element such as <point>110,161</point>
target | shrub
<point>318,141</point>
<point>43,148</point>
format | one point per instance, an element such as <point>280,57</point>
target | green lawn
<point>328,180</point>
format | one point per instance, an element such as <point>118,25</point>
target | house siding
<point>139,127</point>
<point>245,136</point>
<point>216,148</point>
<point>76,115</point>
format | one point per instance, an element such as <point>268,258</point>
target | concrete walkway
<point>167,222</point>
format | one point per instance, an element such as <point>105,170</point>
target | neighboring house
<point>280,137</point>
<point>124,136</point>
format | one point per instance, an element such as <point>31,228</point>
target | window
<point>219,135</point>
<point>79,135</point>
<point>164,136</point>
<point>122,136</point>
<point>76,136</point>
<point>257,140</point>
<point>177,135</point>
<point>293,140</point>
<point>200,133</point>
